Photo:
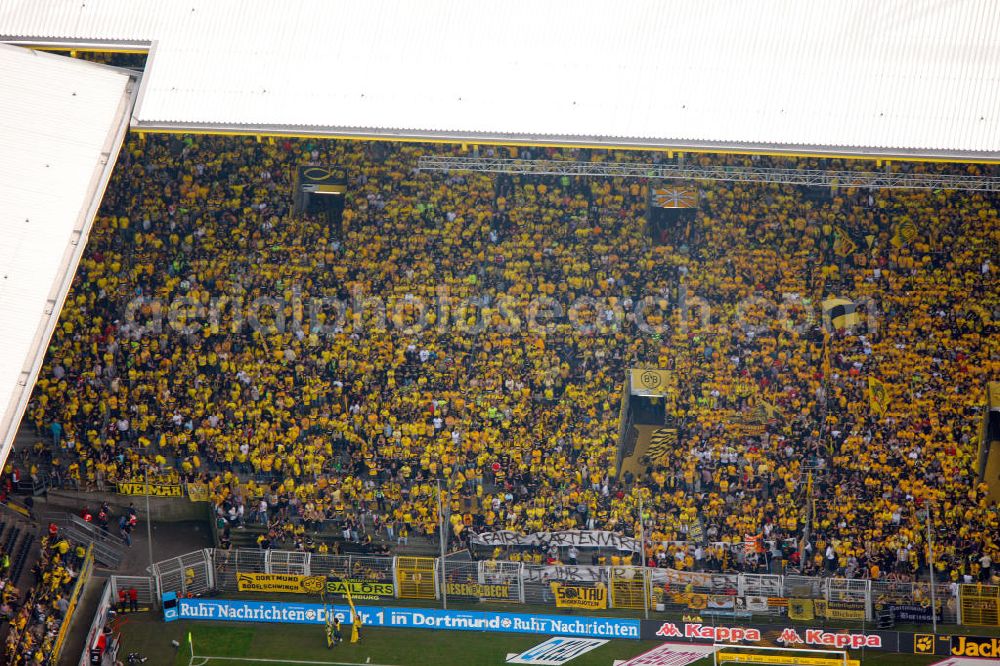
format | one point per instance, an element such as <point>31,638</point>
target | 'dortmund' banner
<point>299,584</point>
<point>578,538</point>
<point>913,613</point>
<point>287,583</point>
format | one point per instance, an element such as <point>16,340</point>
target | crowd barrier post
<point>395,577</point>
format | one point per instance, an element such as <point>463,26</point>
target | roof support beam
<point>807,177</point>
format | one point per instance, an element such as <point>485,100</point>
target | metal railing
<point>712,593</point>
<point>144,586</point>
<point>752,174</point>
<point>81,582</point>
<point>109,550</point>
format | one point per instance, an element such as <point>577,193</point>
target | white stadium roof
<point>900,78</point>
<point>62,122</point>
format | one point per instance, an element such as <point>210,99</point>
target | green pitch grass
<point>274,645</point>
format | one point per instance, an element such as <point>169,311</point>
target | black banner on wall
<point>789,635</point>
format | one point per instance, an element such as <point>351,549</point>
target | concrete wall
<point>163,509</point>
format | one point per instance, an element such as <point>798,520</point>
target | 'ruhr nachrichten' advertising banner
<point>232,610</point>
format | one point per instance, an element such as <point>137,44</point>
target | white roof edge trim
<point>604,143</point>
<point>912,79</point>
<point>144,81</point>
<point>10,418</point>
<point>109,45</point>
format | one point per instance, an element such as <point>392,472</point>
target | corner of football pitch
<point>220,644</point>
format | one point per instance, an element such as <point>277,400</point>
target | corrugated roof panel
<point>61,123</point>
<point>897,75</point>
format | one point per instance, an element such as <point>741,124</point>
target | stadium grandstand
<point>546,284</point>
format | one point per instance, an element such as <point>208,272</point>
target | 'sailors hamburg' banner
<point>299,584</point>
<point>360,589</point>
<point>578,538</point>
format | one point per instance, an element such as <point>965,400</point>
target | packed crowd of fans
<point>168,360</point>
<point>35,620</point>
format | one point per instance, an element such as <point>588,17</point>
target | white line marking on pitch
<point>287,661</point>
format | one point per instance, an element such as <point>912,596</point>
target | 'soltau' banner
<point>231,610</point>
<point>479,591</point>
<point>577,596</point>
<point>155,489</point>
<point>197,492</point>
<point>286,583</point>
<point>914,613</point>
<point>984,647</point>
<point>578,538</point>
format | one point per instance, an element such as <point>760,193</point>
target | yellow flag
<point>355,617</point>
<point>767,411</point>
<point>842,243</point>
<point>878,396</point>
<point>800,609</point>
<point>904,233</point>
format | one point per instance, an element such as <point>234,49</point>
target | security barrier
<point>505,574</point>
<point>85,570</point>
<point>416,577</point>
<point>188,575</point>
<point>486,580</point>
<point>145,589</point>
<point>630,588</point>
<point>980,605</point>
<point>288,562</point>
<point>738,596</point>
<point>847,599</point>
